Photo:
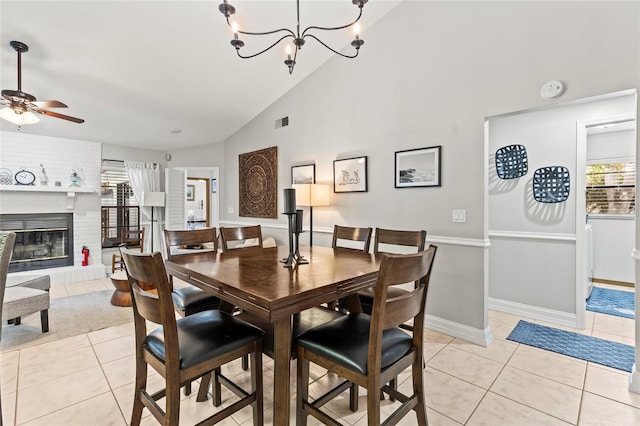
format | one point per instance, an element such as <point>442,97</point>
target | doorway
<point>537,252</point>
<point>198,204</point>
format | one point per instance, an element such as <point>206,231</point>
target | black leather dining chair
<point>370,350</point>
<point>181,350</point>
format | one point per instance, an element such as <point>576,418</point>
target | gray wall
<point>429,74</point>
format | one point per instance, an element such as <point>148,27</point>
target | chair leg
<point>418,389</point>
<point>205,381</point>
<point>44,320</point>
<point>216,388</point>
<point>172,399</point>
<point>302,386</point>
<point>353,397</point>
<point>187,388</point>
<point>373,407</point>
<point>245,362</point>
<point>141,384</point>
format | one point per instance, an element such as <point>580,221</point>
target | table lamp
<point>311,195</point>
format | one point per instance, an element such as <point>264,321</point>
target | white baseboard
<point>534,312</point>
<point>464,332</point>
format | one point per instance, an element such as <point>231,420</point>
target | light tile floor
<point>88,380</point>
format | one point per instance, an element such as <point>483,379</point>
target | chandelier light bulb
<point>288,50</point>
<point>356,30</point>
<point>234,27</point>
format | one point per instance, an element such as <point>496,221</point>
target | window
<point>611,188</point>
<point>120,209</point>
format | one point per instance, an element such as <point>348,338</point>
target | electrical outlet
<point>459,216</point>
<point>230,210</point>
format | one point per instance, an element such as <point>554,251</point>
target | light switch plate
<point>230,210</point>
<point>459,216</point>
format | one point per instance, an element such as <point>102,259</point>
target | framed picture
<point>303,174</point>
<point>214,186</point>
<point>350,175</point>
<point>418,167</point>
<point>191,192</point>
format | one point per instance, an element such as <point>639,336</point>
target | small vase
<point>75,180</point>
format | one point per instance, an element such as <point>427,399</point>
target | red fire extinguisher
<point>85,255</point>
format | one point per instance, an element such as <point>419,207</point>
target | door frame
<point>581,201</point>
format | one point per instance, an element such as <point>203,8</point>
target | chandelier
<point>298,38</point>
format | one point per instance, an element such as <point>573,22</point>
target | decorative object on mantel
<point>258,184</point>
<point>6,176</point>
<point>74,178</point>
<point>44,180</point>
<point>511,162</point>
<point>297,37</point>
<point>551,184</point>
<point>25,177</point>
<point>20,106</point>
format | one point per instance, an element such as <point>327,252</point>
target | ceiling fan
<point>20,106</point>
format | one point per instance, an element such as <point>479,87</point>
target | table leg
<point>281,373</point>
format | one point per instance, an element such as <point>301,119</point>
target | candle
<point>289,200</point>
<point>298,221</point>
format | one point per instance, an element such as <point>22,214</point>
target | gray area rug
<point>68,316</point>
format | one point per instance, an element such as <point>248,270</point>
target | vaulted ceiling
<point>161,74</point>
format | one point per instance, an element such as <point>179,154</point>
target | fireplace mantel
<point>71,191</point>
<point>41,188</point>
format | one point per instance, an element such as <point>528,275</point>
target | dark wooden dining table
<point>254,279</point>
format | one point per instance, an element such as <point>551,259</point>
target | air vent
<point>281,122</point>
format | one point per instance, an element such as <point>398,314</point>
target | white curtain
<point>145,177</point>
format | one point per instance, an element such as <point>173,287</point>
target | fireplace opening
<point>42,240</point>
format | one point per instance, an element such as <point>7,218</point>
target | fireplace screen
<point>42,240</point>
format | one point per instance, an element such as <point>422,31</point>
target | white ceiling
<point>138,70</point>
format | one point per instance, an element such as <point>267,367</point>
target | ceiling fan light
<point>26,117</point>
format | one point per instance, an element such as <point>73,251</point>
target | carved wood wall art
<point>259,183</point>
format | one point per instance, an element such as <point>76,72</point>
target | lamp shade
<point>152,199</point>
<point>27,117</point>
<point>312,194</point>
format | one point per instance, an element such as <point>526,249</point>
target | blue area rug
<point>612,302</point>
<point>592,349</point>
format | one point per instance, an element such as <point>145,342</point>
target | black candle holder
<point>298,230</point>
<point>290,260</point>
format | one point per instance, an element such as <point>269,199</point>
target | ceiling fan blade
<point>58,115</point>
<point>49,104</point>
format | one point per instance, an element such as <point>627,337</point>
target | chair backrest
<point>387,237</point>
<point>190,241</point>
<point>7,240</point>
<point>387,313</point>
<point>352,234</point>
<point>132,238</point>
<point>149,268</point>
<point>229,235</point>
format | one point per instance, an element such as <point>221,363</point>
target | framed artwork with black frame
<point>350,175</point>
<point>303,174</point>
<point>418,167</point>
